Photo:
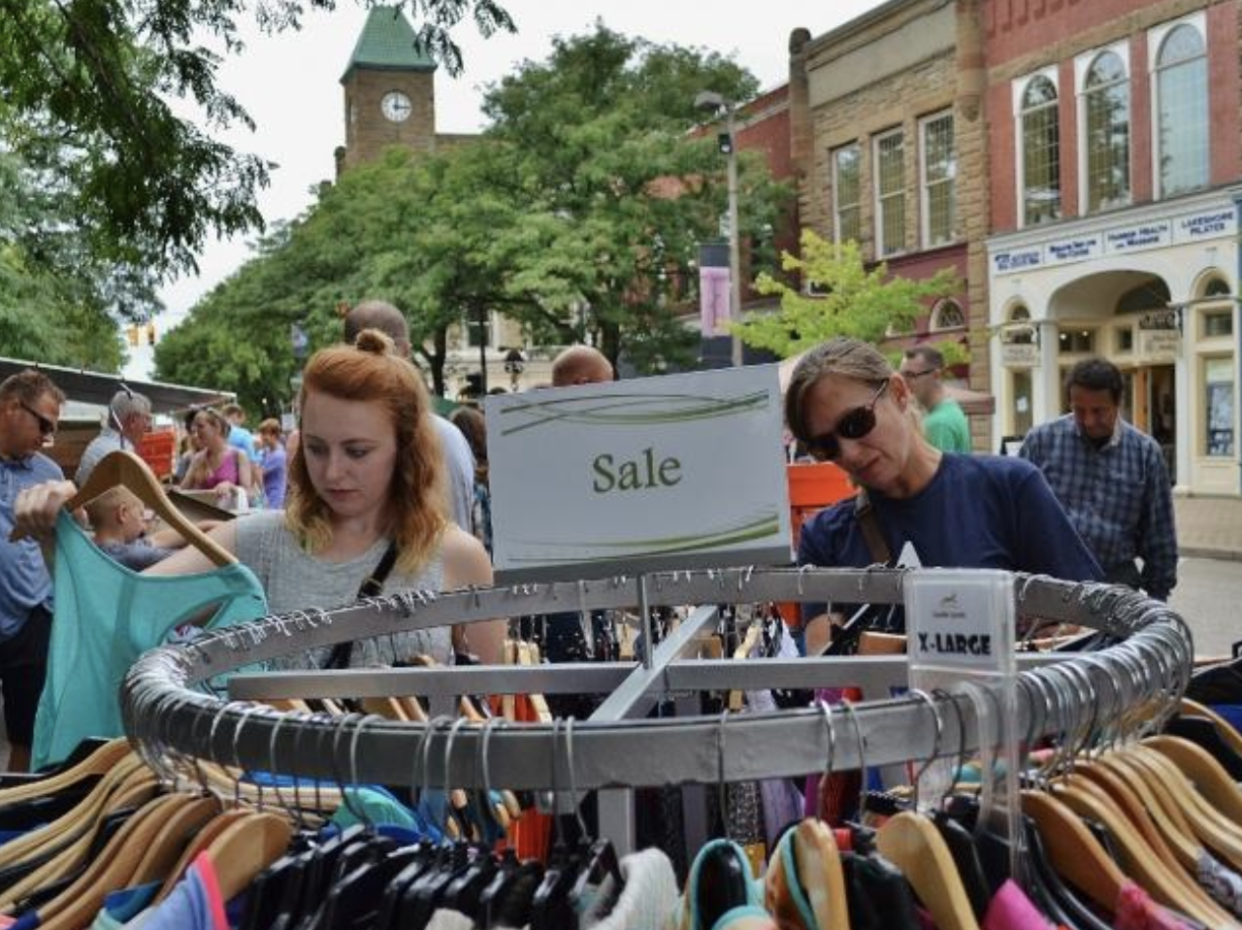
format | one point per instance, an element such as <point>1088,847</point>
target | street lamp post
<point>710,100</point>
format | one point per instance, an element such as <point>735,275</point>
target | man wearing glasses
<point>129,417</point>
<point>944,421</point>
<point>29,414</point>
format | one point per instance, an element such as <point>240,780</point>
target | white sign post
<point>679,471</point>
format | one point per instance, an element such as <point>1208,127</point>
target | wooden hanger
<point>821,874</point>
<point>100,762</point>
<point>1216,832</point>
<point>1076,855</point>
<point>110,862</point>
<point>1231,736</point>
<point>1137,859</point>
<point>1178,849</point>
<point>77,905</point>
<point>70,835</point>
<point>246,847</point>
<point>124,468</point>
<point>913,844</point>
<point>166,847</point>
<point>205,837</point>
<point>1175,845</point>
<point>1204,771</point>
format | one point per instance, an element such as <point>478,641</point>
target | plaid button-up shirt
<point>1117,496</point>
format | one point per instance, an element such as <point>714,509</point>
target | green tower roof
<point>387,43</point>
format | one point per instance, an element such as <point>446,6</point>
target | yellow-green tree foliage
<point>849,299</point>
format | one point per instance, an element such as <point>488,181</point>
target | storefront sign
<point>672,472</point>
<point>1015,260</point>
<point>1158,319</point>
<point>1019,355</point>
<point>1159,345</point>
<point>1140,237</point>
<point>1211,224</point>
<point>1077,249</point>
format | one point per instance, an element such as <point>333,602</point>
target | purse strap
<point>371,586</point>
<point>869,523</point>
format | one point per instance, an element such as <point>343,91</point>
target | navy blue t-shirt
<point>979,511</point>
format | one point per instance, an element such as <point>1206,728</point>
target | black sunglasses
<point>854,424</point>
<point>46,426</point>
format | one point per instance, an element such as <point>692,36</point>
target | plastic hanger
<point>124,468</point>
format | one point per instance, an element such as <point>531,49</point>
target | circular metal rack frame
<point>168,717</point>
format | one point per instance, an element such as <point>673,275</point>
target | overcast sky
<point>290,84</point>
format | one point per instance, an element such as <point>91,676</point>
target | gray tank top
<point>295,580</point>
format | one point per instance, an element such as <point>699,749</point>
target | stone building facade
<point>889,142</point>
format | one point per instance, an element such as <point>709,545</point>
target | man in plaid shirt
<point>1112,481</point>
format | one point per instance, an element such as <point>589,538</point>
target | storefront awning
<point>93,387</point>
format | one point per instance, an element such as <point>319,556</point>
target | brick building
<point>887,133</point>
<point>1115,170</point>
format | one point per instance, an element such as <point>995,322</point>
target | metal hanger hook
<point>939,733</point>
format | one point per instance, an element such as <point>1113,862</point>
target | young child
<point>117,519</point>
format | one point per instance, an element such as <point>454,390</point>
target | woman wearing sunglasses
<point>847,405</point>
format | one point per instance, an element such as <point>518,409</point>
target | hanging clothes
<point>106,617</point>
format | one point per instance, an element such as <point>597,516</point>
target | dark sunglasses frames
<point>46,426</point>
<point>854,424</point>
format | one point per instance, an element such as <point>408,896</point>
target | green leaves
<point>845,299</point>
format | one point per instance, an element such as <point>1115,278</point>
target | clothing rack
<point>165,715</point>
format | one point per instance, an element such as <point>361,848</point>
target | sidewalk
<point>1209,527</point>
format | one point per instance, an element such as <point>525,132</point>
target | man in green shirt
<point>944,423</point>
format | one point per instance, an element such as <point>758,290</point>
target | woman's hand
<point>37,507</point>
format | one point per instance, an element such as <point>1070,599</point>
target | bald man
<point>581,365</point>
<point>381,315</point>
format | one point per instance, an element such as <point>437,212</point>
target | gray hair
<point>840,355</point>
<point>125,402</point>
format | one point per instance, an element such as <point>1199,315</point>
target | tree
<point>847,299</point>
<point>87,103</point>
<point>55,300</point>
<point>617,194</point>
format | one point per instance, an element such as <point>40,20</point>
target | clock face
<point>396,106</point>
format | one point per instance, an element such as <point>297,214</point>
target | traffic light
<point>150,334</point>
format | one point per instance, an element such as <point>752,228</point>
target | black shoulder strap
<point>869,523</point>
<point>371,586</point>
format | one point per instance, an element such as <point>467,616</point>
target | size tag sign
<point>960,625</point>
<point>960,619</point>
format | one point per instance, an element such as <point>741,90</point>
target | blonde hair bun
<point>374,341</point>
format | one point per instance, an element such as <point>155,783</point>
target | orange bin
<point>811,488</point>
<point>159,450</point>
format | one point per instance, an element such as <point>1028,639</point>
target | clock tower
<point>389,91</point>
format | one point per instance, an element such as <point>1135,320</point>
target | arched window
<point>1041,157</point>
<point>947,315</point>
<point>1106,95</point>
<point>1216,287</point>
<point>1182,128</point>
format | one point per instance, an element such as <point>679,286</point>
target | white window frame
<point>935,323</point>
<point>1018,90</point>
<point>1155,38</point>
<point>876,141</point>
<point>836,188</point>
<point>1082,64</point>
<point>924,198</point>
